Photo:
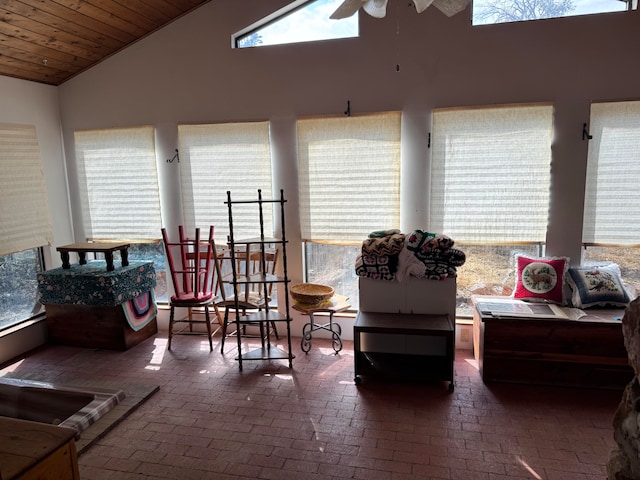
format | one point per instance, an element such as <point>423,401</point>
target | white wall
<point>31,103</point>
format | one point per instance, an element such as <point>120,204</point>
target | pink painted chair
<point>191,264</point>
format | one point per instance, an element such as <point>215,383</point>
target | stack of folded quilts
<point>391,255</point>
<point>430,255</point>
<point>379,257</point>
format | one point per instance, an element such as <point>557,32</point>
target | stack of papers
<point>517,308</point>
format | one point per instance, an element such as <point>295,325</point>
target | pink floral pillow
<point>541,279</point>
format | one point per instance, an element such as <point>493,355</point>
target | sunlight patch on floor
<point>473,362</point>
<point>157,356</point>
<point>528,468</point>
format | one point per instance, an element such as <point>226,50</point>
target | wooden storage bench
<point>88,306</point>
<point>588,352</point>
<point>95,327</point>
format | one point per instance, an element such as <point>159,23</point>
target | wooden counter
<point>31,450</point>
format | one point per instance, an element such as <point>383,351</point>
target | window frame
<point>277,16</point>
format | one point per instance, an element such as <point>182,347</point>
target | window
<point>611,229</point>
<point>333,265</point>
<point>218,158</point>
<point>24,221</point>
<point>301,21</point>
<point>503,11</point>
<point>489,270</point>
<point>349,180</point>
<point>119,194</point>
<point>118,181</point>
<point>490,178</point>
<point>19,286</point>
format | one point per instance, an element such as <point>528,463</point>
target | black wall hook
<point>347,112</point>
<point>585,133</point>
<point>175,157</point>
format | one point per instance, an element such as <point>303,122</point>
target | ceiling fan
<point>378,8</point>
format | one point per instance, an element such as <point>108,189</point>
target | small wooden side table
<point>106,248</point>
<point>337,303</point>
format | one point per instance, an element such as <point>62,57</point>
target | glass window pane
<point>149,252</point>
<point>307,23</point>
<point>504,11</point>
<point>334,265</point>
<point>19,287</point>
<point>488,270</point>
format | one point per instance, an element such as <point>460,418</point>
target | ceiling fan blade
<point>376,8</point>
<point>421,5</point>
<point>347,8</point>
<point>451,7</point>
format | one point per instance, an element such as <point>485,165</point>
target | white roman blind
<point>349,176</point>
<point>24,210</point>
<point>118,183</point>
<point>490,174</point>
<point>612,193</point>
<point>217,158</point>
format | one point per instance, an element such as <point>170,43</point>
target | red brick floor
<point>211,421</point>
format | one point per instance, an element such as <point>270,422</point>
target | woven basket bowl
<point>311,293</point>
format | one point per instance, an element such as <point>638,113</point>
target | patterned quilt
<point>391,255</point>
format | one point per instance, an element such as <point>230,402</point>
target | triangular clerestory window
<point>300,21</point>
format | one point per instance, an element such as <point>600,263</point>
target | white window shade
<point>349,176</point>
<point>612,196</point>
<point>118,182</point>
<point>24,211</point>
<point>490,174</point>
<point>217,158</point>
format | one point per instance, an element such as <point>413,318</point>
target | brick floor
<point>210,421</point>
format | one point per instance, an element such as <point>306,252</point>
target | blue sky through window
<point>309,23</point>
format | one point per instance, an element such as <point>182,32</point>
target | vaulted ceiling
<point>50,41</point>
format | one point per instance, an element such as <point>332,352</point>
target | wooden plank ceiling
<point>50,41</point>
